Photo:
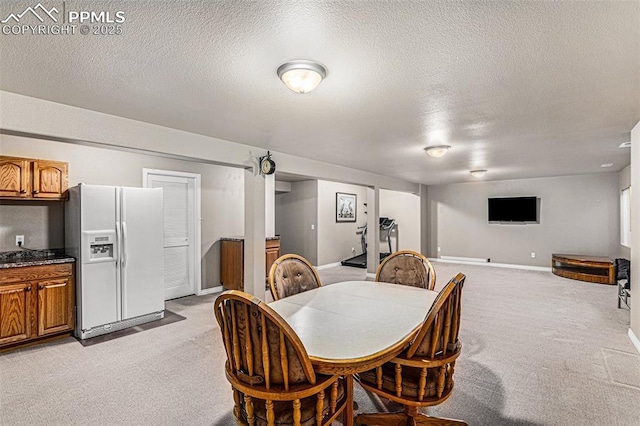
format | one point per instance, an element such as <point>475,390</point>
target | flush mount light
<point>625,145</point>
<point>478,173</point>
<point>438,150</point>
<point>606,165</point>
<point>301,76</point>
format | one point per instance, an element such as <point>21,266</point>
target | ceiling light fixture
<point>438,150</point>
<point>478,173</point>
<point>301,76</point>
<point>606,165</point>
<point>625,145</point>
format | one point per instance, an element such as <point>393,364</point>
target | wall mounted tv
<point>513,209</point>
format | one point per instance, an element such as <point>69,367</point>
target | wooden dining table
<point>354,326</point>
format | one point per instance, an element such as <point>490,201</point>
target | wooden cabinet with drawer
<point>232,261</point>
<point>36,302</point>
<point>27,178</point>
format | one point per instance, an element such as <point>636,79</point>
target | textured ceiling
<point>524,89</point>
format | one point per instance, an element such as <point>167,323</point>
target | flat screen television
<point>513,209</point>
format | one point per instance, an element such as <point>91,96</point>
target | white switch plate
<point>438,248</point>
<point>19,240</point>
<point>533,255</point>
<point>313,227</point>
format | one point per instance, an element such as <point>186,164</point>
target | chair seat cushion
<point>410,380</point>
<point>284,409</point>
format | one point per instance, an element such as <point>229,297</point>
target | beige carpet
<point>538,350</point>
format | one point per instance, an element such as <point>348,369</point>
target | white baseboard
<point>634,340</point>
<point>328,265</point>
<point>465,259</point>
<point>211,290</point>
<point>371,275</point>
<point>495,265</point>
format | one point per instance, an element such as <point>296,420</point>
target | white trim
<point>371,275</point>
<point>634,340</point>
<point>197,219</point>
<point>217,289</point>
<point>328,265</point>
<point>465,259</point>
<point>496,265</point>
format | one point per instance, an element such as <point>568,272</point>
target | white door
<point>181,230</point>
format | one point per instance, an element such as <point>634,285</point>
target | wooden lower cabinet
<point>36,302</point>
<point>232,261</point>
<point>55,306</point>
<point>16,313</point>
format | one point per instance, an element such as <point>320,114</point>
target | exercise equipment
<point>360,261</point>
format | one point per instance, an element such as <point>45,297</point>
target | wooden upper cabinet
<point>14,177</point>
<point>50,179</point>
<point>26,178</point>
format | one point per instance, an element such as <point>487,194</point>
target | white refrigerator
<point>116,235</point>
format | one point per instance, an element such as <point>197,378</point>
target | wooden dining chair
<point>292,274</point>
<point>273,380</point>
<point>422,375</point>
<point>407,267</point>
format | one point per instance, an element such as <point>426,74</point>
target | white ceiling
<point>524,89</point>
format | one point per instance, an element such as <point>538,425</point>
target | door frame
<point>197,217</point>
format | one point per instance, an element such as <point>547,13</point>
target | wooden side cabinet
<point>27,178</point>
<point>36,302</point>
<point>232,264</point>
<point>232,261</point>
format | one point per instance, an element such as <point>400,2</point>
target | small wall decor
<point>346,205</point>
<point>267,165</point>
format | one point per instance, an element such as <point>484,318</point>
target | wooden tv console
<point>594,269</point>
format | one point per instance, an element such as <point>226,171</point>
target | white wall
<point>222,195</point>
<point>296,213</point>
<point>578,215</point>
<point>405,209</point>
<point>335,240</point>
<point>635,236</point>
<point>624,181</point>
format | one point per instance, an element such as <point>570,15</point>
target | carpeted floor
<point>537,350</point>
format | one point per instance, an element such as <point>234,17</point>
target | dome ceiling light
<point>438,150</point>
<point>301,76</point>
<point>478,173</point>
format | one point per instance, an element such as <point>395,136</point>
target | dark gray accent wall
<point>296,212</point>
<point>578,215</point>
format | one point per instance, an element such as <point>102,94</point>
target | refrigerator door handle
<point>123,270</point>
<point>119,270</point>
<point>124,245</point>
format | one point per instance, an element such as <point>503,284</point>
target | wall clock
<point>267,165</point>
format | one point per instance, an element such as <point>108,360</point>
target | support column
<point>424,220</point>
<point>254,233</point>
<point>373,229</point>
<point>270,205</point>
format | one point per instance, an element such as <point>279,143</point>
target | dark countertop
<point>22,258</point>
<point>277,237</point>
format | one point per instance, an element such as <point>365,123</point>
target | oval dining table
<point>354,326</point>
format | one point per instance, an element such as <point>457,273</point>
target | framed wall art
<point>346,205</point>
